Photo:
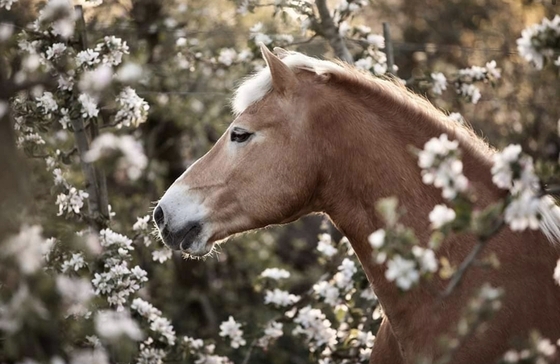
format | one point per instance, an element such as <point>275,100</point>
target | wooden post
<point>388,48</point>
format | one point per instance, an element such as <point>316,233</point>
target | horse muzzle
<point>187,238</point>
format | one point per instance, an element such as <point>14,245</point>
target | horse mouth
<point>190,234</point>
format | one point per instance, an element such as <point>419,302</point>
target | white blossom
<point>523,211</point>
<point>272,331</point>
<point>27,248</point>
<point>88,57</point>
<point>257,36</point>
<point>133,109</point>
<point>502,174</point>
<point>141,223</point>
<point>227,56</point>
<point>194,344</point>
<point>313,323</point>
<point>377,238</point>
<point>476,73</point>
<point>112,50</point>
<point>557,272</point>
<point>441,215</point>
<point>457,117</point>
<point>325,245</point>
<point>280,298</point>
<point>145,309</point>
<point>109,238</point>
<point>59,179</point>
<point>89,106</point>
<point>232,330</point>
<point>55,50</point>
<point>7,4</point>
<point>73,201</point>
<point>441,167</point>
<point>470,91</point>
<point>74,263</point>
<point>150,355</point>
<point>6,29</point>
<point>163,326</point>
<point>376,40</point>
<point>97,355</point>
<point>492,70</point>
<point>537,42</point>
<point>65,83</point>
<point>426,259</point>
<point>133,160</point>
<point>439,83</point>
<point>402,271</point>
<point>275,273</point>
<point>76,294</point>
<point>111,325</point>
<point>96,80</point>
<point>364,63</point>
<point>60,16</point>
<point>161,255</point>
<point>328,292</point>
<point>47,103</point>
<point>343,278</point>
<point>129,72</point>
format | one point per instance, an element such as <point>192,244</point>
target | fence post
<point>388,48</point>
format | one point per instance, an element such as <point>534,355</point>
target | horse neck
<point>367,158</point>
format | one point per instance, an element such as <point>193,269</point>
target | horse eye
<point>239,136</point>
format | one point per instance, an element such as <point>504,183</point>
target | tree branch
<point>98,203</point>
<point>469,260</point>
<point>330,32</point>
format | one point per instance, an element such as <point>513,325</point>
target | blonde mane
<point>256,87</point>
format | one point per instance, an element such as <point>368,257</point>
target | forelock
<point>255,87</point>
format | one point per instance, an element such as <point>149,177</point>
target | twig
<point>465,264</point>
<point>249,352</point>
<point>330,32</point>
<point>469,260</point>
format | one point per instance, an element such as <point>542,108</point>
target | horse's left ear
<point>283,78</point>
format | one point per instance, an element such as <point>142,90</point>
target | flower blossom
<point>539,42</point>
<point>325,245</point>
<point>111,325</point>
<point>280,298</point>
<point>514,171</point>
<point>441,166</point>
<point>275,273</point>
<point>7,4</point>
<point>133,109</point>
<point>89,106</point>
<point>313,323</point>
<point>439,83</point>
<point>73,201</point>
<point>272,332</point>
<point>403,271</point>
<point>441,215</point>
<point>232,330</point>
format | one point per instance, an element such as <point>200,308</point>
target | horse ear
<point>280,52</point>
<point>283,78</point>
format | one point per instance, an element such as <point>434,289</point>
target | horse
<point>319,136</point>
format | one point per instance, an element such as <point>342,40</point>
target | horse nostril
<point>158,216</point>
